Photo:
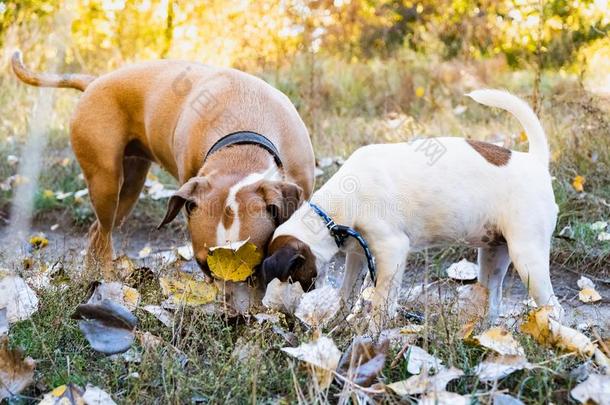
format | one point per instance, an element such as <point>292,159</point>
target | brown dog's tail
<point>72,81</point>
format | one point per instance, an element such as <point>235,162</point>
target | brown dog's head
<point>228,209</point>
<point>289,259</point>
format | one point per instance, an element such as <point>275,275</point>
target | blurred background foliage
<point>358,71</point>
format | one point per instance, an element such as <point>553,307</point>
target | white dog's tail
<point>522,111</point>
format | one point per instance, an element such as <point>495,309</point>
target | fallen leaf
<point>424,383</point>
<point>124,266</point>
<point>411,329</point>
<point>444,398</point>
<point>116,292</point>
<point>463,270</point>
<point>595,389</point>
<point>185,252</point>
<point>505,399</point>
<point>96,396</point>
<point>364,360</point>
<point>16,373</point>
<point>148,341</point>
<point>234,262</point>
<point>164,316</point>
<point>184,289</point>
<point>501,341</point>
<point>70,394</point>
<point>283,296</point>
<point>318,307</point>
<point>419,360</point>
<point>3,322</point>
<point>579,183</point>
<point>270,318</point>
<point>588,295</point>
<point>322,354</point>
<point>145,252</point>
<point>38,242</point>
<point>18,298</point>
<point>547,331</point>
<point>496,367</point>
<point>567,232</point>
<point>419,92</point>
<point>599,225</point>
<point>471,306</point>
<point>108,326</point>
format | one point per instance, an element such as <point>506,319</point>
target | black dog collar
<point>341,232</point>
<point>245,138</point>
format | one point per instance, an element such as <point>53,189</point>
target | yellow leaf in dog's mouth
<point>234,262</point>
<point>184,289</point>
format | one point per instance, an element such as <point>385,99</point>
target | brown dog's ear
<point>282,198</point>
<point>186,193</point>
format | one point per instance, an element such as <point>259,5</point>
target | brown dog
<point>173,113</point>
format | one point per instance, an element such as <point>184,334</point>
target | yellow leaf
<point>48,194</point>
<point>549,332</point>
<point>588,295</point>
<point>579,183</point>
<point>186,290</point>
<point>38,241</point>
<point>234,262</point>
<point>499,340</point>
<point>419,92</point>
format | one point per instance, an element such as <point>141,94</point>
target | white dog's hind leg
<point>390,257</point>
<point>531,260</point>
<point>493,264</point>
<point>352,279</point>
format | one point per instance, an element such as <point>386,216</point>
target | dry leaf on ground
<point>463,270</point>
<point>108,326</point>
<point>587,291</point>
<point>96,396</point>
<point>495,367</point>
<point>16,373</point>
<point>164,316</point>
<point>234,262</point>
<point>419,360</point>
<point>547,331</point>
<point>499,340</point>
<point>595,389</point>
<point>505,399</point>
<point>123,266</point>
<point>471,306</point>
<point>318,307</point>
<point>3,322</point>
<point>69,394</point>
<point>17,297</point>
<point>283,296</point>
<point>238,298</point>
<point>116,292</point>
<point>185,252</point>
<point>364,360</point>
<point>322,354</point>
<point>184,289</point>
<point>444,398</point>
<point>38,242</point>
<point>579,183</point>
<point>145,252</point>
<point>424,383</point>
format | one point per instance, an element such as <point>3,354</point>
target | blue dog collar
<point>341,232</point>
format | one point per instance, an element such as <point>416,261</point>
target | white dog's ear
<point>282,198</point>
<point>187,193</point>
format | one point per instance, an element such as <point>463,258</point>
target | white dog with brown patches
<point>431,192</point>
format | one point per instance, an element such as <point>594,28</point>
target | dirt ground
<point>68,244</point>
